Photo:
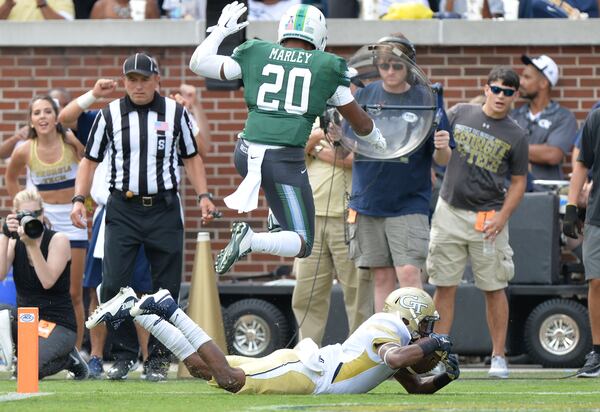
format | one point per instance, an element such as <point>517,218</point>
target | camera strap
<point>5,227</point>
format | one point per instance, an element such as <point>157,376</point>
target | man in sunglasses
<point>389,221</point>
<point>474,207</point>
<point>550,127</point>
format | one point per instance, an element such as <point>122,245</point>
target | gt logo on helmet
<point>412,302</point>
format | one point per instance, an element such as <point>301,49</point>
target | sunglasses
<point>386,66</point>
<point>498,90</point>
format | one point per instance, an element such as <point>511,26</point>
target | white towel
<point>99,190</point>
<point>245,198</point>
<point>99,248</point>
<point>308,352</point>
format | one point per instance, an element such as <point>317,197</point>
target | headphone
<point>412,52</point>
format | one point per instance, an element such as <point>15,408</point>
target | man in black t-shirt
<point>590,148</point>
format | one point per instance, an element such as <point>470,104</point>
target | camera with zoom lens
<point>29,222</point>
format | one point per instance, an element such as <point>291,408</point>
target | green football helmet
<point>415,308</point>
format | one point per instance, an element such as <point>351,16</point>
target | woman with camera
<point>51,158</point>
<point>41,260</point>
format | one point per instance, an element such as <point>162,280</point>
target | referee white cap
<point>140,63</point>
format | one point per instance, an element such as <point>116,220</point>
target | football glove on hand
<point>571,222</point>
<point>228,22</point>
<point>375,139</point>
<point>443,341</point>
<point>452,369</point>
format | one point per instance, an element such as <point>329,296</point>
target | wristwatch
<point>206,194</point>
<point>78,198</point>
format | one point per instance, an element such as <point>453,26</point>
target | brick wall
<point>25,72</point>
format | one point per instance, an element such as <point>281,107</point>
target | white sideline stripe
<point>119,393</point>
<point>379,405</point>
<point>17,396</point>
<point>14,396</point>
<point>536,393</point>
<point>221,393</point>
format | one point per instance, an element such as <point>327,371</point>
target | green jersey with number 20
<point>285,90</point>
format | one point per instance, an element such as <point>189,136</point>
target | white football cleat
<point>161,303</point>
<point>238,247</point>
<point>115,311</point>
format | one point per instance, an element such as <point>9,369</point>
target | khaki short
<point>389,241</point>
<point>591,251</point>
<point>454,239</point>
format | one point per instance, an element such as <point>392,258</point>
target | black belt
<point>144,200</point>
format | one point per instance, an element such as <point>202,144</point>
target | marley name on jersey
<point>294,56</point>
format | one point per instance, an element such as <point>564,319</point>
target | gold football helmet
<point>415,308</point>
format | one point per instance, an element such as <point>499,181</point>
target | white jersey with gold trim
<point>355,366</point>
<point>352,367</point>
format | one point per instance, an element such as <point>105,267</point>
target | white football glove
<point>375,139</point>
<point>228,21</point>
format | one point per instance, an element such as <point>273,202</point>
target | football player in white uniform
<point>385,345</point>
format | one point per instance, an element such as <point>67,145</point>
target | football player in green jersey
<point>286,86</point>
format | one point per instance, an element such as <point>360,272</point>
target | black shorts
<point>287,189</point>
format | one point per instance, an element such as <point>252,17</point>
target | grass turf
<point>524,391</point>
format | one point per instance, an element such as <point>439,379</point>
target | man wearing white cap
<point>550,127</point>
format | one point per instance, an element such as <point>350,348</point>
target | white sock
<point>285,243</point>
<point>6,342</point>
<point>167,334</point>
<point>192,332</point>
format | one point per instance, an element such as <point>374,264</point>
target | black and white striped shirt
<point>144,144</point>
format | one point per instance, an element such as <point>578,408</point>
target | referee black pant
<point>158,225</point>
<point>155,223</point>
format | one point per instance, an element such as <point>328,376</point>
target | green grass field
<point>524,391</point>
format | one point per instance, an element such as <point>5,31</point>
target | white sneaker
<point>114,311</point>
<point>6,342</point>
<point>498,368</point>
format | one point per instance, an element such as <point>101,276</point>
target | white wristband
<point>86,100</point>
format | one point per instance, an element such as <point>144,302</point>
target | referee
<point>144,135</point>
